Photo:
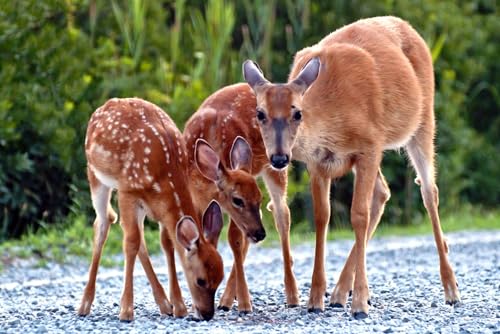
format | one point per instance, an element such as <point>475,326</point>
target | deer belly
<point>396,144</point>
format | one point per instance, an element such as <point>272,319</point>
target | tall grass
<point>211,34</point>
<point>131,23</point>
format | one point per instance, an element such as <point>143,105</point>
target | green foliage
<point>62,59</point>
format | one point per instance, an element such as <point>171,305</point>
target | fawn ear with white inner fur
<point>187,233</point>
<point>253,74</point>
<point>207,161</point>
<point>241,155</point>
<point>308,74</point>
<point>212,222</point>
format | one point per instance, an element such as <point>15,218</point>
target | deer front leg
<point>180,309</point>
<point>229,295</point>
<point>237,282</point>
<point>158,292</point>
<point>320,188</point>
<point>276,183</point>
<point>381,195</point>
<point>364,182</point>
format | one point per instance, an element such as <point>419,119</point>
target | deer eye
<point>201,282</point>
<point>261,115</point>
<point>238,202</point>
<point>297,114</point>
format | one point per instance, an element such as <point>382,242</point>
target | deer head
<point>238,192</point>
<point>203,265</point>
<point>279,109</point>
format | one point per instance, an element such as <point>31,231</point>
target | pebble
<point>403,275</point>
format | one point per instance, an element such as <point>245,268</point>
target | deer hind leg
<point>180,309</point>
<point>105,216</point>
<point>344,286</point>
<point>276,183</point>
<point>131,243</point>
<point>320,188</point>
<point>158,292</point>
<point>236,287</point>
<point>421,152</point>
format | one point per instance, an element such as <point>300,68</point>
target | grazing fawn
<point>134,147</point>
<point>363,89</point>
<point>226,121</point>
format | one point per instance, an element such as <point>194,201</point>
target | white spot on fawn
<point>177,199</point>
<point>156,187</point>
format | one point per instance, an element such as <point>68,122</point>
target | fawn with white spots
<point>363,89</point>
<point>226,121</point>
<point>134,147</point>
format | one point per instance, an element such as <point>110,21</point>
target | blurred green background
<point>60,60</point>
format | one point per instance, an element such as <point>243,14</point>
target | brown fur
<point>134,147</point>
<point>226,114</point>
<point>374,91</point>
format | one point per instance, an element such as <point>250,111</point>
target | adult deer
<point>363,89</point>
<point>134,147</point>
<point>226,121</point>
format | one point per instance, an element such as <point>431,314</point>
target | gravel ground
<point>403,274</point>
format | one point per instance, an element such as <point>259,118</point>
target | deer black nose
<point>260,235</point>
<point>279,161</point>
<point>206,314</point>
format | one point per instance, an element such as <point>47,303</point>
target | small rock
<point>15,322</point>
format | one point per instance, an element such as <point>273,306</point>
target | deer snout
<point>204,314</point>
<point>260,235</point>
<point>257,235</point>
<point>280,161</point>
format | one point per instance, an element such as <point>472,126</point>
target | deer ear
<point>241,155</point>
<point>207,161</point>
<point>253,74</point>
<point>212,222</point>
<point>308,74</point>
<point>187,233</point>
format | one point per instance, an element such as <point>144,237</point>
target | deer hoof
<point>223,308</point>
<point>314,310</point>
<point>360,315</point>
<point>453,302</point>
<point>336,305</point>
